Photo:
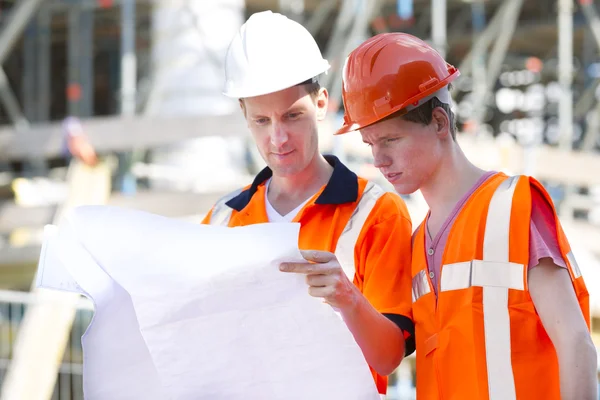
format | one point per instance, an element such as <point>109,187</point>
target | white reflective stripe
<point>222,212</point>
<point>483,274</point>
<point>497,232</point>
<point>221,215</point>
<point>420,285</point>
<point>344,250</point>
<point>456,276</point>
<point>574,265</point>
<point>496,318</point>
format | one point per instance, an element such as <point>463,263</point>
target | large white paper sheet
<point>189,311</point>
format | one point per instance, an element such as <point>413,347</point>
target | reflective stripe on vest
<point>420,285</point>
<point>496,318</point>
<point>344,250</point>
<point>574,265</point>
<point>222,212</point>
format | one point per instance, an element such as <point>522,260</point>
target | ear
<point>322,104</point>
<point>441,122</point>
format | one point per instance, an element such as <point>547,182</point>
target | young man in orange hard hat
<point>355,237</point>
<point>499,304</point>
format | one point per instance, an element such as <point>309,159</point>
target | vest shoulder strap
<point>221,212</point>
<point>344,250</point>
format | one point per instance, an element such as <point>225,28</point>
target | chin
<point>405,188</point>
<point>284,170</point>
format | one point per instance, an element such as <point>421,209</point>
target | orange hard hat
<point>388,73</point>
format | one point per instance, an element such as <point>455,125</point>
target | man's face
<point>407,153</point>
<point>284,127</point>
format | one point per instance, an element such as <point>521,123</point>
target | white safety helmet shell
<point>269,53</point>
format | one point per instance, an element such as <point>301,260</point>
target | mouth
<point>283,154</point>
<point>393,176</point>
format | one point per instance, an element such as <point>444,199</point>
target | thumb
<point>317,256</point>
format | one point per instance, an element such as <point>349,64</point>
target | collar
<point>341,188</point>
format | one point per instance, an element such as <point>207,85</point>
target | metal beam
<point>565,79</point>
<point>592,133</point>
<point>358,29</point>
<point>73,62</point>
<point>18,20</point>
<point>168,204</point>
<point>11,104</point>
<point>586,99</point>
<point>86,61</point>
<point>589,11</point>
<point>29,78</point>
<point>43,64</point>
<point>483,40</point>
<point>112,134</point>
<point>500,48</point>
<point>336,42</point>
<point>128,58</point>
<point>23,12</point>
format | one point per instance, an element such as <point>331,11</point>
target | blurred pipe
<point>124,178</point>
<point>565,72</point>
<point>128,58</point>
<point>23,12</point>
<point>439,26</point>
<point>565,78</point>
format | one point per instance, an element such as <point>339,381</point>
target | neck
<point>303,184</point>
<point>453,178</point>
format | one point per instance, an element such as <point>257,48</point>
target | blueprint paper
<point>116,362</point>
<point>189,311</point>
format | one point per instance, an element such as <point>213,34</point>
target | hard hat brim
<point>262,89</point>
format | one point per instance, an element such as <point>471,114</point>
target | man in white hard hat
<point>355,237</point>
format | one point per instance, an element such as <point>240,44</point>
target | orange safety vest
<point>482,338</point>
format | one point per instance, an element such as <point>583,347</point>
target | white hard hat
<point>270,53</point>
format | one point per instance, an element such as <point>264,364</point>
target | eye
<point>261,121</point>
<point>391,140</point>
<point>294,115</point>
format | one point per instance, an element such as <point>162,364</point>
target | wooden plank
<point>111,134</point>
<point>168,204</point>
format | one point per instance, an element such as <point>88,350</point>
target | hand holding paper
<point>325,278</point>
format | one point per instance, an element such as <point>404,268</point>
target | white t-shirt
<point>274,216</point>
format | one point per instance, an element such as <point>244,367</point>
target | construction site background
<point>119,102</point>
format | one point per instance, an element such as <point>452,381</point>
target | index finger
<point>307,268</point>
<point>317,256</point>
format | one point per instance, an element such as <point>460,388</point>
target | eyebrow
<point>385,137</point>
<point>295,109</point>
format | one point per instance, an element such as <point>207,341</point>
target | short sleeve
<point>543,237</point>
<point>384,265</point>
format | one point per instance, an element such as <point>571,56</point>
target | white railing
<point>69,384</point>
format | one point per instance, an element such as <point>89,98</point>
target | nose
<point>279,134</point>
<point>380,159</point>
